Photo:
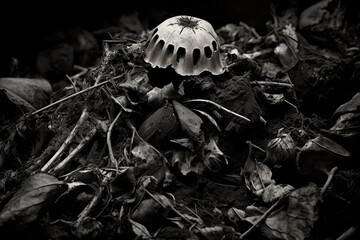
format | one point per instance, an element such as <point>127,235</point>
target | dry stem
<point>328,180</point>
<point>108,141</point>
<point>219,106</point>
<point>279,84</point>
<point>83,117</point>
<point>75,94</point>
<point>81,145</point>
<point>93,202</point>
<point>261,218</point>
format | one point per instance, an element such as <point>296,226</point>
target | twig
<point>348,233</point>
<point>93,202</point>
<point>82,69</point>
<point>83,117</point>
<point>72,83</point>
<point>261,218</point>
<point>256,146</point>
<point>328,180</point>
<point>75,94</point>
<point>81,145</point>
<point>108,141</point>
<point>219,106</point>
<point>280,84</point>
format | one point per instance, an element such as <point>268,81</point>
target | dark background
<point>24,24</point>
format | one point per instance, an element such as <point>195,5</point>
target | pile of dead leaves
<point>127,151</point>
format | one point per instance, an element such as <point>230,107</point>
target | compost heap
<point>268,149</point>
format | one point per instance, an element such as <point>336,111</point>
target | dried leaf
<point>213,233</point>
<point>160,127</point>
<point>320,155</point>
<point>89,228</point>
<point>144,152</point>
<point>187,162</point>
<point>274,192</point>
<point>297,219</point>
<point>274,99</point>
<point>34,197</point>
<point>347,125</point>
<point>189,121</point>
<point>185,142</point>
<point>140,230</point>
<point>235,215</point>
<point>137,80</point>
<point>152,211</point>
<point>157,96</point>
<point>257,176</point>
<point>208,116</point>
<point>352,106</point>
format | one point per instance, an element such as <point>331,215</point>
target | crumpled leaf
<point>137,80</point>
<point>148,161</point>
<point>89,228</point>
<point>140,230</point>
<point>144,152</point>
<point>160,126</point>
<point>124,183</point>
<point>274,99</point>
<point>216,232</point>
<point>151,211</point>
<point>257,176</point>
<point>351,106</point>
<point>347,125</point>
<point>157,96</point>
<point>235,215</point>
<point>190,122</point>
<point>214,157</point>
<point>274,192</point>
<point>185,142</point>
<point>296,219</point>
<point>347,118</point>
<point>186,161</point>
<point>34,197</point>
<point>320,155</point>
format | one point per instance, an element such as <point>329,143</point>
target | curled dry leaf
<point>216,232</point>
<point>320,155</point>
<point>186,161</point>
<point>347,119</point>
<point>160,127</point>
<point>89,228</point>
<point>189,121</point>
<point>157,96</point>
<point>274,192</point>
<point>214,158</point>
<point>257,176</point>
<point>140,230</point>
<point>297,219</point>
<point>152,211</point>
<point>274,99</point>
<point>34,197</point>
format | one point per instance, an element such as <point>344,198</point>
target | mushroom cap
<point>188,44</point>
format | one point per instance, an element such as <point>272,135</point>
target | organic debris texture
<point>100,144</point>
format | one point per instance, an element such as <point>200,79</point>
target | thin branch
<point>83,117</point>
<point>261,218</point>
<point>219,106</point>
<point>108,141</point>
<point>279,84</point>
<point>348,233</point>
<point>86,211</point>
<point>328,180</point>
<point>75,94</point>
<point>81,145</point>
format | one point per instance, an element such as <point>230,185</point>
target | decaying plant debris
<point>266,150</point>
